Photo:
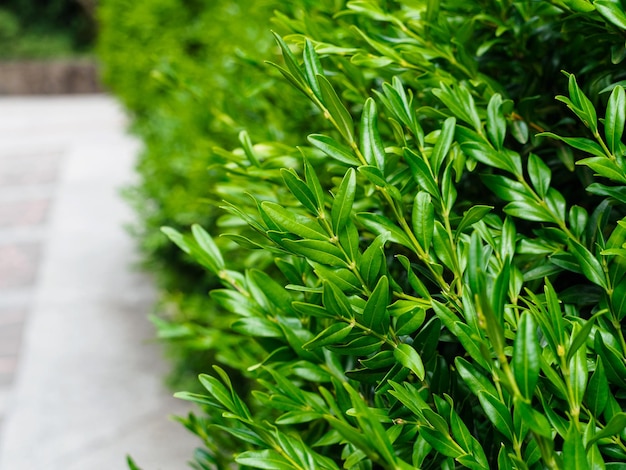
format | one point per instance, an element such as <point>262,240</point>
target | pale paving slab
<point>89,387</point>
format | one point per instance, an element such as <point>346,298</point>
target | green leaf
<point>289,222</point>
<point>406,355</point>
<point>486,154</point>
<point>373,260</point>
<point>442,443</point>
<point>443,249</point>
<point>598,390</point>
<point>336,109</point>
<point>336,301</point>
<point>177,238</point>
<point>526,351</point>
<point>253,326</point>
<point>580,104</point>
<point>333,149</point>
<point>312,67</point>
<point>266,459</point>
<point>475,380</point>
<point>580,143</point>
<point>423,219</point>
<point>331,336</point>
<point>374,175</point>
<point>409,322</point>
<point>578,372</point>
<point>317,251</point>
<point>342,205</point>
<point>535,421</point>
<point>612,360</point>
<point>540,174</point>
<point>443,144</point>
<point>612,11</point>
<point>604,167</point>
<point>291,62</point>
<point>528,210</point>
<point>471,216</point>
<point>208,246</point>
<point>580,338</point>
<point>375,315</point>
<point>496,124</point>
<point>379,224</point>
<point>574,456</point>
<point>616,425</point>
<point>299,189</point>
<point>498,413</point>
<point>371,144</point>
<point>421,172</point>
<point>589,264</point>
<point>615,118</point>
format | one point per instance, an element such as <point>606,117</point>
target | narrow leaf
<point>342,205</point>
<point>337,110</point>
<point>526,351</point>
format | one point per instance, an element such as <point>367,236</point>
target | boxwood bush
<point>447,245</point>
<point>192,77</point>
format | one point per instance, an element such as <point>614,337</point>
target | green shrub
<point>192,77</point>
<point>448,279</point>
<point>32,29</point>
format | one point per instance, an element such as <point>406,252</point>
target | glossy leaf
<point>342,204</point>
<point>375,315</point>
<point>332,335</point>
<point>526,353</point>
<point>409,358</point>
<point>615,117</point>
<point>574,455</point>
<point>333,149</point>
<point>336,109</point>
<point>423,219</point>
<point>371,142</point>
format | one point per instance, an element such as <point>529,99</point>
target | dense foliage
<point>439,266</point>
<point>191,73</point>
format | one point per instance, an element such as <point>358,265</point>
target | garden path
<point>80,380</point>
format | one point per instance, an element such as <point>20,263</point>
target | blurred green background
<point>42,29</point>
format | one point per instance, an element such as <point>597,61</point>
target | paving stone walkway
<point>80,378</point>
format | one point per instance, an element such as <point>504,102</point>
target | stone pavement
<point>80,380</point>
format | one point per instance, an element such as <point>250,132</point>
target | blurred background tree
<point>43,29</point>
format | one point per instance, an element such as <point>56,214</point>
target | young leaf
<point>409,358</point>
<point>423,219</point>
<point>471,216</point>
<point>312,67</point>
<point>615,118</point>
<point>373,260</point>
<point>443,144</point>
<point>371,143</point>
<point>342,205</point>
